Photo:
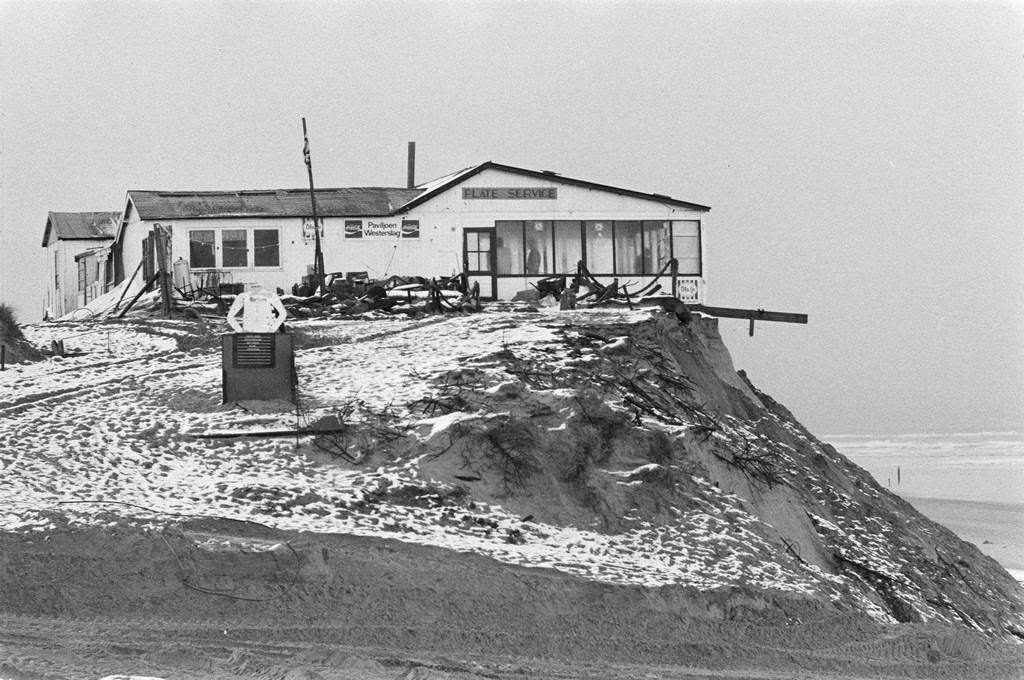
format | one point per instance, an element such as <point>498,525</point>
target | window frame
<point>224,248</point>
<point>700,246</point>
<point>213,248</point>
<point>250,248</point>
<point>254,247</point>
<point>613,227</point>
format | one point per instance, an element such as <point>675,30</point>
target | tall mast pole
<point>318,253</point>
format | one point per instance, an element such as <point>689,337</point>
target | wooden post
<point>674,270</point>
<point>625,293</point>
<point>3,357</point>
<point>318,253</point>
<point>162,257</point>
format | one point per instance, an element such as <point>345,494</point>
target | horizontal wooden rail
<point>752,314</point>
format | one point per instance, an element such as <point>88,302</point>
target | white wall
<point>438,250</point>
<point>65,299</point>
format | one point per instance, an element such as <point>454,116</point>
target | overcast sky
<point>864,161</point>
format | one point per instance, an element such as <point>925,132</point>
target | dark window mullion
<point>615,260</point>
<point>643,255</point>
<point>583,245</point>
<point>700,254</point>
<point>553,267</point>
<point>522,226</point>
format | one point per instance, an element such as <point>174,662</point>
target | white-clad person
<point>262,311</point>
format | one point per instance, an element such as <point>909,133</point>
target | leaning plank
<point>270,433</point>
<point>752,314</point>
<point>138,295</point>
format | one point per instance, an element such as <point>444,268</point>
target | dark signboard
<point>410,228</point>
<point>253,350</point>
<point>509,193</point>
<point>353,228</point>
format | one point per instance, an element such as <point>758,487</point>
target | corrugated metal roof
<point>347,202</point>
<point>64,225</point>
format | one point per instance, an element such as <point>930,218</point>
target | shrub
<point>9,328</point>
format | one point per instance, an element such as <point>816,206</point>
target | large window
<point>509,252</point>
<point>657,251</point>
<point>628,253</point>
<point>234,247</point>
<point>607,247</point>
<point>537,247</point>
<point>229,248</point>
<point>201,248</point>
<point>266,247</point>
<point>599,247</point>
<point>686,246</point>
<point>539,256</point>
<point>568,248</point>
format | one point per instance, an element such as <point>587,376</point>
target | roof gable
<point>345,202</point>
<point>460,177</point>
<point>80,225</point>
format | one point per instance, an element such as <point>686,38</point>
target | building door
<point>478,259</point>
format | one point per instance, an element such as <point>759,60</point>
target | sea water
<point>971,482</point>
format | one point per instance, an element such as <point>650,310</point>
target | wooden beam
<point>752,314</point>
<point>163,254</point>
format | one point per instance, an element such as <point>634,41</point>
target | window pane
<point>510,247</point>
<point>485,240</point>
<point>539,258</point>
<point>233,243</point>
<point>656,246</point>
<point>267,248</point>
<point>485,261</point>
<point>686,246</point>
<point>200,248</point>
<point>628,259</point>
<point>599,247</point>
<point>567,247</point>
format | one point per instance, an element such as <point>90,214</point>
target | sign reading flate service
<point>382,229</point>
<point>509,193</point>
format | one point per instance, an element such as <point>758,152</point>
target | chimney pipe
<point>411,182</point>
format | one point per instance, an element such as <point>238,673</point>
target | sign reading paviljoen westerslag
<point>382,229</point>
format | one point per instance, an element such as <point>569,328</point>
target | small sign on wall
<point>410,228</point>
<point>307,229</point>
<point>382,229</point>
<point>509,193</point>
<point>353,228</point>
